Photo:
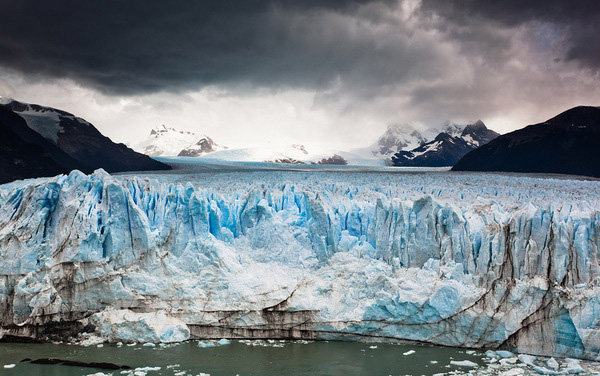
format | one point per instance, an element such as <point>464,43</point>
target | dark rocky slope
<point>42,141</point>
<point>445,149</point>
<point>566,144</point>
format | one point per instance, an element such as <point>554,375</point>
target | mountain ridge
<point>69,141</point>
<point>567,143</point>
<point>447,147</point>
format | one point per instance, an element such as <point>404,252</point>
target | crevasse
<point>311,260</point>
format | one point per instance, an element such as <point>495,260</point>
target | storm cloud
<point>575,22</point>
<point>146,46</point>
<point>373,61</point>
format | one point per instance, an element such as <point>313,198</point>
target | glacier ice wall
<point>313,259</point>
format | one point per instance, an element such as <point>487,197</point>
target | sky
<point>323,72</point>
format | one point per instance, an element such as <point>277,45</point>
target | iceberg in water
<point>474,261</point>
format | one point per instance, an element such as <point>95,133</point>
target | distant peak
<point>478,125</point>
<point>163,129</point>
<point>443,136</point>
<point>6,100</point>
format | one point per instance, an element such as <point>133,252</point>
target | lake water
<point>274,357</point>
<point>243,358</point>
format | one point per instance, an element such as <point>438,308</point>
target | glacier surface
<point>472,260</point>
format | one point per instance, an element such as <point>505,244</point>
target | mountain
<point>566,144</point>
<point>21,159</point>
<point>451,128</point>
<point>58,142</point>
<point>447,147</point>
<point>478,134</point>
<point>335,159</point>
<point>397,137</point>
<point>166,141</point>
<point>204,146</point>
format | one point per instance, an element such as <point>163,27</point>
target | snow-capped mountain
<point>448,147</point>
<point>204,146</point>
<point>569,143</point>
<point>168,141</point>
<point>478,134</point>
<point>450,128</point>
<point>397,137</point>
<point>64,142</point>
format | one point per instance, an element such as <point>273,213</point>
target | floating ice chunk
<point>491,354</point>
<point>409,352</point>
<point>99,374</point>
<point>504,354</point>
<point>149,344</point>
<point>545,371</point>
<point>373,347</point>
<point>573,366</point>
<point>513,372</point>
<point>506,361</point>
<point>464,363</point>
<point>552,363</point>
<point>142,371</point>
<point>147,369</point>
<point>223,342</point>
<point>9,366</point>
<point>526,359</point>
<point>206,344</point>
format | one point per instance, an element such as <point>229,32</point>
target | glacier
<point>473,260</point>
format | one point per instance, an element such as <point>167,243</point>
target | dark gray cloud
<point>575,21</point>
<point>387,60</point>
<point>128,47</point>
<point>144,46</point>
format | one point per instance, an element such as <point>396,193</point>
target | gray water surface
<point>242,358</point>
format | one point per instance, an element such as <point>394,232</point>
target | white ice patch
<point>46,123</point>
<point>124,325</point>
<point>464,363</point>
<point>5,100</point>
<point>208,344</point>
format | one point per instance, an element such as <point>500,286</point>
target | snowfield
<point>459,259</point>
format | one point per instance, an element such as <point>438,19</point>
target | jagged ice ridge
<point>483,261</point>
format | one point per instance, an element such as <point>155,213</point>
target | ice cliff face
<point>316,259</point>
